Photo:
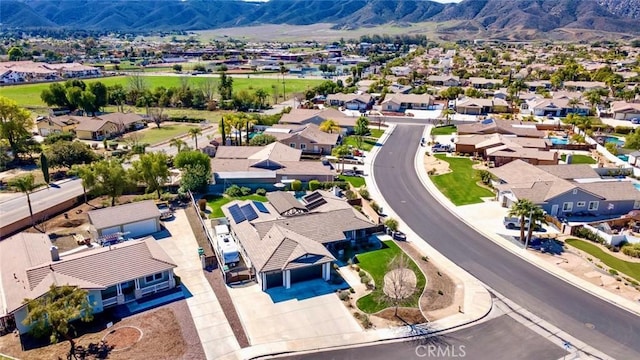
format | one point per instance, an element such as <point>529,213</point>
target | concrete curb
<point>611,298</point>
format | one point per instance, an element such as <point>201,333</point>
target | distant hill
<point>502,18</point>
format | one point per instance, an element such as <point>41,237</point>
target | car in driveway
<point>512,223</point>
<point>440,148</point>
<point>400,236</point>
<point>635,121</point>
<point>166,212</point>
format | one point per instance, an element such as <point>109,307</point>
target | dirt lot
<point>167,333</point>
<point>438,167</point>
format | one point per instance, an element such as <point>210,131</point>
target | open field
<point>628,268</point>
<point>28,95</point>
<point>375,263</point>
<point>460,185</point>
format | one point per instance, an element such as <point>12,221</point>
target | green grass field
<point>629,268</point>
<point>216,202</point>
<point>444,130</point>
<point>460,184</point>
<point>367,143</point>
<point>375,263</point>
<point>154,135</point>
<point>355,181</point>
<point>579,159</point>
<point>28,95</point>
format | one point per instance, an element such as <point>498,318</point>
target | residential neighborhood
<point>169,197</point>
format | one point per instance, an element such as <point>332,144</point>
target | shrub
<point>233,191</point>
<point>613,272</point>
<point>632,250</point>
<point>203,216</point>
<point>336,267</point>
<point>365,279</point>
<point>350,195</point>
<point>343,295</point>
<point>202,204</point>
<point>440,292</point>
<point>362,273</point>
<point>58,136</point>
<point>391,224</point>
<point>623,129</point>
<point>245,191</point>
<point>296,185</point>
<point>432,172</point>
<point>425,258</point>
<point>358,208</point>
<point>374,205</point>
<point>314,185</point>
<point>356,268</point>
<point>261,192</point>
<point>589,235</point>
<point>352,290</point>
<point>364,193</point>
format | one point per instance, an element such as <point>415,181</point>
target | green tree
<point>108,177</point>
<point>179,144</point>
<point>44,167</point>
<point>536,217</point>
<point>522,209</point>
<point>152,169</point>
<point>262,140</point>
<point>15,53</point>
<point>194,132</point>
<point>177,68</point>
<point>55,95</point>
<point>612,148</point>
<point>225,86</point>
<point>362,126</point>
<point>52,313</point>
<point>632,140</point>
<point>447,114</point>
<point>69,153</point>
<point>340,152</point>
<point>391,224</point>
<point>261,95</point>
<point>86,175</point>
<point>100,93</point>
<point>329,126</point>
<point>192,158</point>
<point>25,184</point>
<point>15,126</point>
<point>194,177</point>
<point>116,95</point>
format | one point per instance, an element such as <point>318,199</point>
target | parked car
<point>166,212</point>
<point>440,148</point>
<point>514,223</point>
<point>399,235</point>
<point>635,121</point>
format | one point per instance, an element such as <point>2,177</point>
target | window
<point>153,277</point>
<point>581,204</point>
<point>636,204</point>
<point>568,206</point>
<point>303,146</point>
<point>593,205</point>
<point>575,191</point>
<point>293,145</point>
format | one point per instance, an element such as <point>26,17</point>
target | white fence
<point>613,239</point>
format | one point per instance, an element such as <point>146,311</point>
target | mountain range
<point>533,18</point>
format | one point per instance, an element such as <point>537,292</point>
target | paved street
<point>496,339</point>
<point>606,327</point>
<point>16,208</point>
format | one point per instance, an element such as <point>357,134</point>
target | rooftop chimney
<point>55,256</point>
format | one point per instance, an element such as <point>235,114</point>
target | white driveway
<point>214,331</point>
<point>296,315</point>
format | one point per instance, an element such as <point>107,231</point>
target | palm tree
<point>447,113</point>
<point>340,152</point>
<point>194,132</point>
<point>261,94</point>
<point>537,216</point>
<point>25,184</point>
<point>574,102</point>
<point>178,143</point>
<point>329,126</point>
<point>283,71</point>
<point>522,209</point>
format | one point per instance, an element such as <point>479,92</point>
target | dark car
<point>399,235</point>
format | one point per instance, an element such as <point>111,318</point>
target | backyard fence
<point>207,247</point>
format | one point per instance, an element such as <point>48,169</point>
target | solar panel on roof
<point>260,206</point>
<point>237,214</point>
<point>312,197</point>
<point>314,204</point>
<point>248,212</point>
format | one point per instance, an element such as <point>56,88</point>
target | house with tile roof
<point>313,116</point>
<point>91,127</point>
<point>563,190</point>
<point>113,275</point>
<point>476,106</point>
<point>308,138</point>
<point>284,243</point>
<point>136,219</point>
<point>497,126</point>
<point>501,149</point>
<point>623,110</point>
<point>268,164</point>
<point>350,101</point>
<point>402,102</point>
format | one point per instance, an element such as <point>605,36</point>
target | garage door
<point>111,230</point>
<point>306,273</point>
<point>140,228</point>
<point>274,280</point>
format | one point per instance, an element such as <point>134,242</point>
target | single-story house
<point>475,106</point>
<point>308,138</point>
<point>350,101</point>
<point>480,143</point>
<point>125,121</point>
<point>284,247</point>
<point>554,107</point>
<point>137,219</point>
<point>313,116</point>
<point>534,85</point>
<point>54,124</point>
<point>584,85</point>
<point>95,129</point>
<point>119,274</point>
<point>270,164</point>
<point>504,154</point>
<point>559,196</point>
<point>402,102</point>
<point>444,80</point>
<point>623,110</point>
<point>483,83</point>
<point>401,70</point>
<point>496,126</point>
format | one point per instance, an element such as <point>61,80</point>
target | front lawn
<point>355,181</point>
<point>375,263</point>
<point>629,268</point>
<point>444,130</point>
<point>216,202</point>
<point>375,133</point>
<point>154,135</point>
<point>579,159</point>
<point>460,185</point>
<point>367,142</point>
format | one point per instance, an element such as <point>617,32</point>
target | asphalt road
<point>598,323</point>
<point>16,208</point>
<point>496,339</point>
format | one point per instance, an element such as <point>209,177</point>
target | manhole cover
<point>590,326</point>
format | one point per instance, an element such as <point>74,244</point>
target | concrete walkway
<point>214,331</point>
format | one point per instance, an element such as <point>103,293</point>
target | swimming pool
<point>558,141</point>
<point>637,186</point>
<point>623,157</point>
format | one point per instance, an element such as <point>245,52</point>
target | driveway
<point>294,314</point>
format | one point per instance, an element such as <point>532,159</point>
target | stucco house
<point>481,143</point>
<point>477,106</point>
<point>402,102</point>
<point>137,219</point>
<point>307,138</point>
<point>623,110</point>
<point>115,275</point>
<point>270,164</point>
<point>313,116</point>
<point>95,129</point>
<point>497,126</point>
<point>53,124</point>
<point>350,101</point>
<point>554,107</point>
<point>284,243</point>
<point>444,80</point>
<point>564,190</point>
<point>483,83</point>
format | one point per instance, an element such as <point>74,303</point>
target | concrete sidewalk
<point>215,334</point>
<point>489,232</point>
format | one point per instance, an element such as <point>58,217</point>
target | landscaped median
<point>631,269</point>
<point>461,184</point>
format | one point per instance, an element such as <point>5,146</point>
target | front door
<point>554,210</point>
<point>129,290</point>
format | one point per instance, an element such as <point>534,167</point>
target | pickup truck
<point>514,223</point>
